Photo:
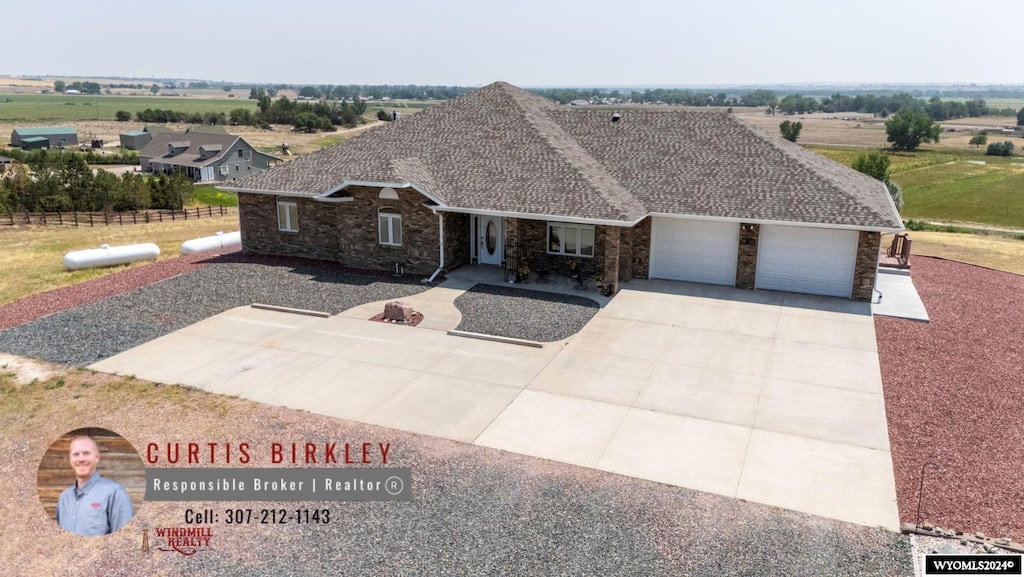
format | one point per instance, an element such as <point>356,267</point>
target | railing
<point>75,218</point>
<point>900,247</point>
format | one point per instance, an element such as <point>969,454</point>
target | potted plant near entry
<point>523,272</point>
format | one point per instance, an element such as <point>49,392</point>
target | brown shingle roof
<point>501,148</point>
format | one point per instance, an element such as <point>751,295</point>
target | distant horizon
<point>605,86</point>
<point>531,43</point>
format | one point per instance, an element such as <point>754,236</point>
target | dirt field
<point>857,129</point>
<point>988,251</point>
<point>843,129</point>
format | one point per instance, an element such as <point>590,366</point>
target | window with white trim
<point>225,169</point>
<point>287,216</point>
<point>570,239</point>
<point>389,225</point>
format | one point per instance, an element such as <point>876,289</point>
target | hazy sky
<point>525,42</point>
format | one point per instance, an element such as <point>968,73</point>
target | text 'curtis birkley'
<point>272,453</point>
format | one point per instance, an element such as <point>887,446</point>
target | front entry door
<point>489,239</point>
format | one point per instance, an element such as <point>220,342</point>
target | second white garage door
<point>807,260</point>
<point>694,250</point>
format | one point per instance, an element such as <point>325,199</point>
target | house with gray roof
<point>203,156</point>
<point>44,137</point>
<point>500,175</point>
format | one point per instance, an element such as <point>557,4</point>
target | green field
<point>208,195</point>
<point>992,194</point>
<point>1014,103</point>
<point>63,108</point>
<point>944,185</point>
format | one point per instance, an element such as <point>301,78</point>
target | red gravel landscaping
<point>64,298</point>
<point>954,396</point>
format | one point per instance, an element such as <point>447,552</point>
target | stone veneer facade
<point>866,267</point>
<point>347,233</point>
<point>621,253</point>
<point>746,259</point>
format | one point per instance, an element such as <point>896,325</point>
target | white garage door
<point>807,260</point>
<point>694,250</point>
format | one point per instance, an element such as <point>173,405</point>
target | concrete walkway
<point>769,397</point>
<point>896,296</point>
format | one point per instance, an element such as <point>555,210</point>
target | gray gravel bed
<point>88,333</point>
<point>523,313</point>
<point>485,512</point>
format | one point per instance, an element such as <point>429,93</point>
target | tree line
<point>52,183</point>
<point>882,105</point>
<point>83,87</point>
<point>377,92</point>
<point>307,116</point>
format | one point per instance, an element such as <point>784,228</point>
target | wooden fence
<point>75,218</point>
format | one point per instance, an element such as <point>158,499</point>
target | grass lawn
<point>35,108</point>
<point>899,161</point>
<point>944,185</point>
<point>35,254</point>
<point>959,191</point>
<point>208,195</point>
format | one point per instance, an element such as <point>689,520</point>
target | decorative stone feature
<point>864,271</point>
<point>746,261</point>
<point>397,311</point>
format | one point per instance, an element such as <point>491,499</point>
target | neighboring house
<point>693,195</point>
<point>4,163</point>
<point>54,136</point>
<point>204,157</point>
<point>135,139</point>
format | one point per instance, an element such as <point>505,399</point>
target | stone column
<point>864,271</point>
<point>746,260</point>
<point>611,257</point>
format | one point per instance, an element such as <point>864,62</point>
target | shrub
<point>790,130</point>
<point>1000,149</point>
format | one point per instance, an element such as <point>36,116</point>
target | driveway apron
<point>770,397</point>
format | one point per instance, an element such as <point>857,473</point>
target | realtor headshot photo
<point>91,482</point>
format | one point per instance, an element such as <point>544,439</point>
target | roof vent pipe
<point>616,117</point>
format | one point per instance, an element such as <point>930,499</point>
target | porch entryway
<point>488,234</point>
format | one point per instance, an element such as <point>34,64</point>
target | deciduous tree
<point>907,129</point>
<point>979,139</point>
<point>874,164</point>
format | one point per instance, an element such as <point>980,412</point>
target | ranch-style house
<point>203,156</point>
<point>499,176</point>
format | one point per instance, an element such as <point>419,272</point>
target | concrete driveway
<point>770,397</point>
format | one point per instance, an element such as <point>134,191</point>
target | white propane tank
<point>108,255</point>
<point>230,241</point>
